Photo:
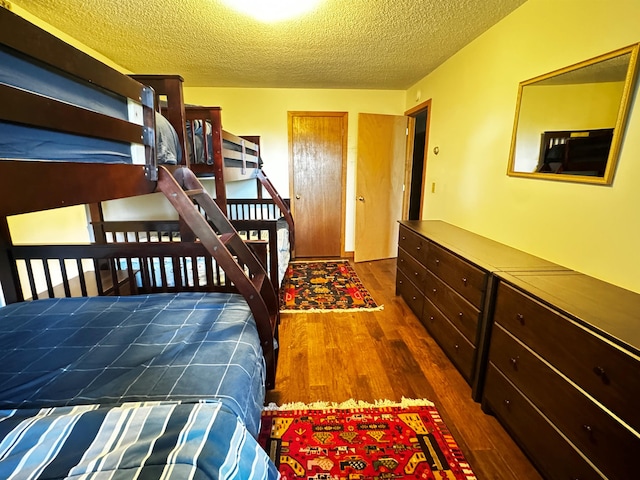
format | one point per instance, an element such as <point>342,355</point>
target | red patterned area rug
<point>323,286</point>
<point>356,441</point>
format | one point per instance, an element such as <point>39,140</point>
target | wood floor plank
<point>388,354</point>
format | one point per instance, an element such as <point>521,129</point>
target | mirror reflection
<point>569,123</point>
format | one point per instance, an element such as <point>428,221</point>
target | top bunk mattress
<point>110,350</point>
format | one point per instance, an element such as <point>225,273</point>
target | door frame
<point>343,187</point>
<point>412,113</point>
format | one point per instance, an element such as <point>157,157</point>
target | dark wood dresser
<point>564,373</point>
<point>552,353</point>
<point>447,277</point>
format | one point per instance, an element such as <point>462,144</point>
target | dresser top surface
<point>612,312</point>
<point>486,253</point>
<point>604,308</point>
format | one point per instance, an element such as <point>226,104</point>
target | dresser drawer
<point>463,277</point>
<point>461,352</point>
<point>411,268</point>
<point>601,437</point>
<point>412,243</point>
<point>458,310</point>
<point>556,458</point>
<point>606,372</point>
<point>412,296</point>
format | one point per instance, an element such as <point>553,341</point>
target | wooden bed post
<point>96,217</point>
<point>218,160</point>
<point>171,87</point>
<point>8,271</point>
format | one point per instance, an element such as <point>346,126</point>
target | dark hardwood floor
<point>388,354</point>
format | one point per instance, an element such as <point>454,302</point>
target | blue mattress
<point>151,440</point>
<point>110,350</point>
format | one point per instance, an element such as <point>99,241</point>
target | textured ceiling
<point>371,44</point>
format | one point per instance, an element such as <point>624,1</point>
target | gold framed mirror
<point>569,123</point>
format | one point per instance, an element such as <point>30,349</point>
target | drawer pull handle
<point>461,314</point>
<point>437,261</point>
<point>507,403</point>
<point>418,247</point>
<point>514,362</point>
<point>431,318</point>
<point>588,429</point>
<point>413,297</point>
<point>404,238</point>
<point>400,282</point>
<point>599,371</point>
<point>464,281</point>
<point>520,318</point>
<point>457,347</point>
<point>434,290</point>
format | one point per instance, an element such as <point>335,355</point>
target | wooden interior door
<point>317,159</point>
<point>382,146</point>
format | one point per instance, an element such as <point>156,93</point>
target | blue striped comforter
<point>149,440</point>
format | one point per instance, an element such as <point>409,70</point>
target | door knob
<point>361,198</point>
<point>297,197</point>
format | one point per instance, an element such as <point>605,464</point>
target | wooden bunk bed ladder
<point>186,193</point>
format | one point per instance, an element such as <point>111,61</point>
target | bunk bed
<point>225,157</point>
<point>129,382</point>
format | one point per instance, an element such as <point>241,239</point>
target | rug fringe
<point>335,310</point>
<point>338,260</point>
<point>351,403</point>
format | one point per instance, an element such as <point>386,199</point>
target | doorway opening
<point>416,164</point>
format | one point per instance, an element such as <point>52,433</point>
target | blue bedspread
<point>152,440</point>
<point>110,350</point>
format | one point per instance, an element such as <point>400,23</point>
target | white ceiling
<point>370,44</point>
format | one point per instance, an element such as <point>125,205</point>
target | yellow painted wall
<point>589,228</point>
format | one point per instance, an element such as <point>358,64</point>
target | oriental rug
<point>323,286</point>
<point>359,441</point>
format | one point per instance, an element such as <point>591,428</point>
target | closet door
<point>317,159</point>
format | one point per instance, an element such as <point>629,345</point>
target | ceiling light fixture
<point>272,10</point>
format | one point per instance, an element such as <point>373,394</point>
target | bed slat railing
<point>171,231</point>
<point>117,269</point>
<point>253,209</point>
